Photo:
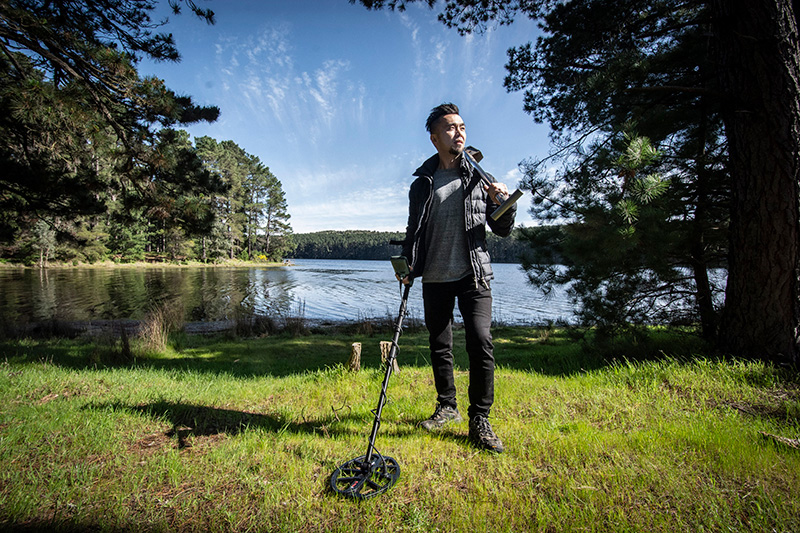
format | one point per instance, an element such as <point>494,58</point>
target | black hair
<point>438,112</point>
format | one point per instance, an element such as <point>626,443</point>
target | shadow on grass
<point>278,356</point>
<point>548,351</point>
<point>191,420</point>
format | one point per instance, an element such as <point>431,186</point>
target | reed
<point>157,325</point>
<point>296,324</point>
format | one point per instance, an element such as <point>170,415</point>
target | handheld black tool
<point>473,155</point>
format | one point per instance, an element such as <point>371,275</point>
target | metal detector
<point>372,474</point>
<point>474,155</point>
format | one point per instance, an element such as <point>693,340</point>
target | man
<point>445,245</point>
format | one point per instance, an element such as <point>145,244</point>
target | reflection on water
<point>316,289</point>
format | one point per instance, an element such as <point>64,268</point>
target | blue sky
<point>333,99</point>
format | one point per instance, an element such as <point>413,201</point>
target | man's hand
<point>406,280</point>
<point>497,188</point>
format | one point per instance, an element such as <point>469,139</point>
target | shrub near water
<point>242,435</point>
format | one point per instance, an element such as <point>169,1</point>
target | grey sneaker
<point>441,416</point>
<point>482,436</point>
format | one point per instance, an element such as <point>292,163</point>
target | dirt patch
<point>53,396</point>
<point>181,438</point>
<point>147,446</point>
<point>188,439</point>
<point>200,443</point>
<point>779,405</point>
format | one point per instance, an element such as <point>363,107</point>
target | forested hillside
<point>358,244</point>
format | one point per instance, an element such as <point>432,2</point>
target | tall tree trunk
<point>759,75</point>
<point>704,298</point>
<point>267,233</point>
<point>230,231</point>
<point>700,226</point>
<point>251,234</point>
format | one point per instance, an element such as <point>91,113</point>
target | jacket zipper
<point>477,269</point>
<point>422,220</point>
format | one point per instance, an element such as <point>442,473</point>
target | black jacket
<point>477,207</point>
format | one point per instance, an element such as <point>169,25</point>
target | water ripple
<point>316,289</point>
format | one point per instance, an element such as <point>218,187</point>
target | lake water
<point>319,290</point>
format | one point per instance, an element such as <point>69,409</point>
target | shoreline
<point>115,327</point>
<point>147,264</point>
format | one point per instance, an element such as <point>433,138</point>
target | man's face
<point>449,135</point>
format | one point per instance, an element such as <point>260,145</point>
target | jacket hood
<point>428,167</point>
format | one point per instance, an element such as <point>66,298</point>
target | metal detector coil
<point>372,474</point>
<point>473,155</point>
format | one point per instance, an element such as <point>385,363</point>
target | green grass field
<point>226,434</point>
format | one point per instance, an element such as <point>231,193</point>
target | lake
<point>316,289</point>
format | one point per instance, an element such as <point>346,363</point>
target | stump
<point>354,364</point>
<point>386,347</point>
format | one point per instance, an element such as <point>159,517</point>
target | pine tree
<point>70,96</point>
<point>252,211</point>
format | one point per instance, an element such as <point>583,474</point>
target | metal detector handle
<point>505,201</point>
<point>401,268</point>
<point>398,330</point>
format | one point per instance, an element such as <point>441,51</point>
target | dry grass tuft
<point>154,330</point>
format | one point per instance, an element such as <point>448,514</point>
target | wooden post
<point>354,364</point>
<point>386,347</point>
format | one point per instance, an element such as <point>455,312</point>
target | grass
<point>215,434</point>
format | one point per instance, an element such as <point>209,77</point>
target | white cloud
<point>355,196</point>
<point>512,177</point>
<point>328,206</point>
<point>263,72</point>
<point>323,88</point>
<point>439,59</point>
<point>276,97</point>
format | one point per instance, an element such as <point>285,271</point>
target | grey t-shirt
<point>447,256</point>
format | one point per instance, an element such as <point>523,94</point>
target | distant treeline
<point>356,244</point>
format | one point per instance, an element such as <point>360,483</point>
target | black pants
<point>475,304</point>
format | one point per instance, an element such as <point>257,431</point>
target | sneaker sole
<point>486,448</point>
<point>433,426</point>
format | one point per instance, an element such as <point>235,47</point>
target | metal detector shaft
<point>505,201</point>
<point>398,329</point>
